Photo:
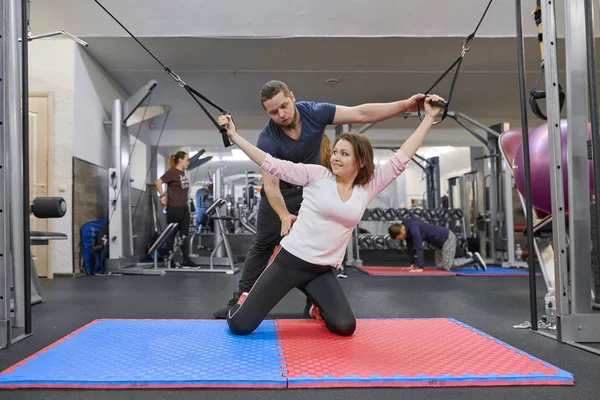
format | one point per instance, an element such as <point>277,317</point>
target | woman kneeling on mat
<point>334,201</point>
<point>415,232</point>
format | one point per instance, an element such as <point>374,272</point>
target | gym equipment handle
<point>49,207</point>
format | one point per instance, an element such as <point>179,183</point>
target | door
<point>39,175</point>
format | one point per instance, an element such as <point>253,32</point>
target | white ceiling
<point>275,18</point>
<point>231,72</point>
<point>223,53</point>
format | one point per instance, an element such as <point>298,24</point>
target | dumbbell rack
<point>452,219</point>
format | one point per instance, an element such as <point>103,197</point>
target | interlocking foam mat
<point>403,271</point>
<point>125,354</point>
<point>494,271</point>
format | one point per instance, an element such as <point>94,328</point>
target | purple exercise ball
<point>541,195</point>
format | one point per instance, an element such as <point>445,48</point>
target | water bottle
<point>519,253</point>
<point>550,301</point>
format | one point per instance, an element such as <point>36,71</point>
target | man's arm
<point>275,199</point>
<point>273,192</point>
<point>375,112</point>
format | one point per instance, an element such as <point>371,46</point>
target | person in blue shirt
<point>415,232</point>
<point>295,133</point>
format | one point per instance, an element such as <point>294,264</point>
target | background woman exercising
<point>333,203</point>
<point>176,200</point>
<point>415,232</point>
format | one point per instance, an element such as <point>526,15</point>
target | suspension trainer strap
<point>192,92</point>
<point>534,93</point>
<point>456,64</point>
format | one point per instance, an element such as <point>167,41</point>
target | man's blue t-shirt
<point>307,149</point>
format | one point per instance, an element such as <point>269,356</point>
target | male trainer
<point>295,132</point>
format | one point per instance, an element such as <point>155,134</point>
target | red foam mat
<point>407,353</point>
<point>403,271</point>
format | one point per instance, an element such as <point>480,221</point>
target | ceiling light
<point>332,81</point>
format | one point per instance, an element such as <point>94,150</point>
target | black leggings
<point>180,215</point>
<point>284,273</point>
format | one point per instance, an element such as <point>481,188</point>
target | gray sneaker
<point>479,261</point>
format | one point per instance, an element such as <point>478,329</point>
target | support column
<point>559,231</point>
<point>217,194</point>
<point>15,138</point>
<point>477,156</point>
<point>339,129</point>
<point>115,181</point>
<point>577,158</point>
<point>433,165</point>
<point>5,277</point>
<point>493,169</point>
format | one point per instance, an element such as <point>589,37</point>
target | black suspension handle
<point>439,103</point>
<point>223,130</point>
<point>435,103</point>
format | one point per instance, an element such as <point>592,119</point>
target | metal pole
<point>366,127</point>
<point>217,190</point>
<point>559,231</point>
<point>527,165</point>
<point>13,127</point>
<point>472,132</point>
<point>577,158</point>
<point>476,123</point>
<point>434,163</point>
<point>5,281</point>
<point>493,196</point>
<point>25,161</point>
<point>115,229</point>
<point>593,110</point>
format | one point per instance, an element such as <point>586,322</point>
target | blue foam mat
<point>114,354</point>
<point>156,353</point>
<point>494,271</point>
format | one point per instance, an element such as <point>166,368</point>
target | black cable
<point>25,158</point>
<point>131,34</point>
<point>527,168</point>
<point>191,91</point>
<point>458,63</point>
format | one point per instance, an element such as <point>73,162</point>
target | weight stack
<point>595,250</point>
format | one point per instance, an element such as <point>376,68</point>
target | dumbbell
<point>456,214</point>
<point>430,214</point>
<point>376,214</point>
<point>443,214</point>
<point>417,212</point>
<point>379,242</point>
<point>361,242</point>
<point>391,243</point>
<point>367,241</point>
<point>402,213</point>
<point>389,214</point>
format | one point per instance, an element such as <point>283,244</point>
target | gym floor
<point>492,305</point>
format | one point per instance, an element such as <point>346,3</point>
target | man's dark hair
<point>271,89</point>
